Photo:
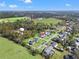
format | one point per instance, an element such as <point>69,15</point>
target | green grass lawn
<point>47,20</point>
<point>59,55</point>
<point>44,20</point>
<point>10,50</point>
<point>13,19</point>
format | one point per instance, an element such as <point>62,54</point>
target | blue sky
<point>43,5</point>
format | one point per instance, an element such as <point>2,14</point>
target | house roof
<point>77,43</point>
<point>35,39</point>
<point>77,39</point>
<point>53,44</point>
<point>47,33</point>
<point>30,42</point>
<point>42,33</point>
<point>48,50</point>
<point>69,57</point>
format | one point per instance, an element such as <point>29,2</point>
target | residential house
<point>33,41</point>
<point>62,38</point>
<point>54,44</point>
<point>48,51</point>
<point>36,39</point>
<point>77,42</point>
<point>69,57</point>
<point>47,33</point>
<point>42,34</point>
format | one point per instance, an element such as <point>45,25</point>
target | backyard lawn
<point>59,55</point>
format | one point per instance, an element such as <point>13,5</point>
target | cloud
<point>2,4</point>
<point>13,6</point>
<point>27,1</point>
<point>68,5</point>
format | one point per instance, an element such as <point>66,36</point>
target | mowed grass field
<point>10,50</point>
<point>37,20</point>
<point>47,20</point>
<point>13,19</point>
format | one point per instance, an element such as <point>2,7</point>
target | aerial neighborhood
<point>39,29</point>
<point>42,37</point>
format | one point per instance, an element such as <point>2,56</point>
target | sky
<point>39,5</point>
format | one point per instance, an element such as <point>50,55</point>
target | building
<point>42,34</point>
<point>36,39</point>
<point>47,33</point>
<point>54,44</point>
<point>69,57</point>
<point>77,42</point>
<point>62,35</point>
<point>48,51</point>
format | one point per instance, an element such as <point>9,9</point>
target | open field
<point>12,19</point>
<point>43,20</point>
<point>47,20</point>
<point>10,50</point>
